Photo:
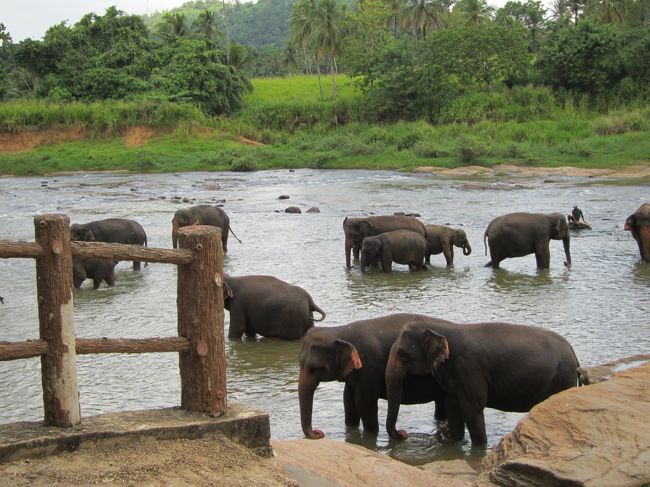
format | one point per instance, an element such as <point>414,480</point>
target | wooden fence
<point>200,340</point>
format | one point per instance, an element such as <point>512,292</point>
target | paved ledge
<point>241,423</point>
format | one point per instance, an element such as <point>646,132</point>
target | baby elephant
<point>441,239</point>
<point>400,246</point>
<point>269,307</point>
<point>96,269</point>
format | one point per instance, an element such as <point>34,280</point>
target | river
<point>599,305</point>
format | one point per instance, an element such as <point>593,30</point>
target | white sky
<point>31,18</point>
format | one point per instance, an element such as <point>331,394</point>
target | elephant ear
<point>348,356</point>
<point>228,293</point>
<point>437,346</point>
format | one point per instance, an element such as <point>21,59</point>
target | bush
<point>470,150</point>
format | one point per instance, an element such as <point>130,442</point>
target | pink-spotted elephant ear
<point>438,347</point>
<point>349,357</point>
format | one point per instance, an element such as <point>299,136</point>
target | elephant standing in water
<point>96,269</point>
<point>112,230</point>
<point>441,239</point>
<point>357,354</point>
<point>269,307</point>
<point>638,223</point>
<point>358,228</point>
<point>400,246</point>
<point>495,365</point>
<point>202,215</point>
<point>519,234</point>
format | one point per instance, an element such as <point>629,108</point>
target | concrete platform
<point>242,424</point>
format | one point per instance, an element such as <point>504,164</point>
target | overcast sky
<point>31,18</point>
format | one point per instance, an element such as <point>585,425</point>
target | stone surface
<point>313,209</point>
<point>597,435</point>
<point>328,463</point>
<point>292,209</point>
<point>601,373</point>
<point>457,469</point>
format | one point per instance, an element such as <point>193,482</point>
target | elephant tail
<point>233,234</point>
<point>314,307</point>
<point>485,241</point>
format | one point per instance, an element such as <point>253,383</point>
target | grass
<point>318,134</point>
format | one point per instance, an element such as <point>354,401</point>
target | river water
<point>600,304</point>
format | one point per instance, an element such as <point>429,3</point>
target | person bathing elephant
<point>111,230</point>
<point>400,246</point>
<point>495,365</point>
<point>269,307</point>
<point>202,215</point>
<point>358,228</point>
<point>638,223</point>
<point>519,234</point>
<point>96,269</point>
<point>441,239</point>
<point>357,354</point>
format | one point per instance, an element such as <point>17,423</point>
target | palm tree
<point>474,12</point>
<point>173,25</point>
<point>607,11</point>
<point>395,9</point>
<point>300,26</point>
<point>422,14</point>
<point>326,34</point>
<point>206,25</point>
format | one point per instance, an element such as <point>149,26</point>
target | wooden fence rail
<point>200,343</point>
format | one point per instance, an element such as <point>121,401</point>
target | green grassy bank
<point>286,125</point>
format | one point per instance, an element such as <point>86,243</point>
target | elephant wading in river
<point>400,246</point>
<point>202,215</point>
<point>441,239</point>
<point>112,230</point>
<point>638,223</point>
<point>269,307</point>
<point>495,365</point>
<point>358,228</point>
<point>357,354</point>
<point>96,269</point>
<point>519,234</point>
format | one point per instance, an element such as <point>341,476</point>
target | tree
<point>473,12</point>
<point>301,27</point>
<point>531,14</point>
<point>326,35</point>
<point>206,26</point>
<point>173,25</point>
<point>606,11</point>
<point>420,15</point>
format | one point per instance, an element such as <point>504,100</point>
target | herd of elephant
<point>403,358</point>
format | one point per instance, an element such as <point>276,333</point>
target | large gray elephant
<point>495,365</point>
<point>358,228</point>
<point>112,230</point>
<point>638,223</point>
<point>441,239</point>
<point>96,269</point>
<point>519,234</point>
<point>202,215</point>
<point>400,246</point>
<point>357,354</point>
<point>267,306</point>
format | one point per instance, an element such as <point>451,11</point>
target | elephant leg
<point>455,420</point>
<point>644,243</point>
<point>476,427</point>
<point>386,260</point>
<point>440,413</point>
<point>237,323</point>
<point>351,415</point>
<point>355,252</point>
<point>448,252</point>
<point>366,405</point>
<point>136,266</point>
<point>96,282</point>
<point>543,256</point>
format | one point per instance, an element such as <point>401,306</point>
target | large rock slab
<point>328,463</point>
<point>597,435</point>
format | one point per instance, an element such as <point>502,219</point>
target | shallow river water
<point>600,304</point>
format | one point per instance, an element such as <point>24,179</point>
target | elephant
<point>441,239</point>
<point>358,228</point>
<point>519,234</point>
<point>112,230</point>
<point>357,354</point>
<point>202,215</point>
<point>267,306</point>
<point>400,246</point>
<point>638,223</point>
<point>497,365</point>
<point>96,269</point>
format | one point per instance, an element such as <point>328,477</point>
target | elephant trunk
<point>467,248</point>
<point>348,250</point>
<point>567,250</point>
<point>307,385</point>
<point>395,373</point>
<point>174,234</point>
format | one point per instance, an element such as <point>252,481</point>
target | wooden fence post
<point>201,321</point>
<point>56,321</point>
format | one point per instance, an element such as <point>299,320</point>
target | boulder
<point>596,435</point>
<point>601,373</point>
<point>313,209</point>
<point>292,209</point>
<point>283,197</point>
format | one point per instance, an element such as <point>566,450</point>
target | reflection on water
<point>599,304</point>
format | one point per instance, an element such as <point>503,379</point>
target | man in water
<point>576,215</point>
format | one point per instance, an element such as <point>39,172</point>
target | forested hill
<point>259,24</point>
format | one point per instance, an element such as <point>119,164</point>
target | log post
<point>56,321</point>
<point>201,321</point>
